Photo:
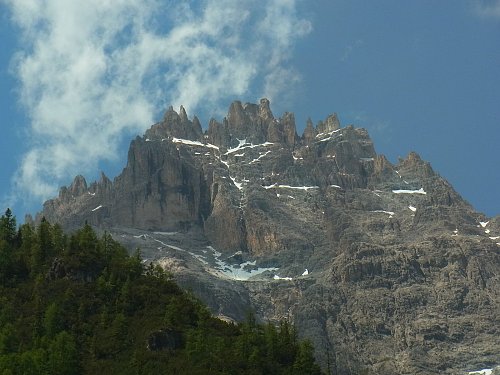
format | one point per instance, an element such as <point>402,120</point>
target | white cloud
<point>350,48</point>
<point>92,72</point>
<point>488,8</point>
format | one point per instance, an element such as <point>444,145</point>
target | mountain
<point>384,267</point>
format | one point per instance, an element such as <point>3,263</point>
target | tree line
<point>80,304</point>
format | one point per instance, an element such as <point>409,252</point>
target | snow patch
<point>236,272</point>
<point>305,273</point>
<point>486,371</point>
<point>97,208</point>
<point>274,186</point>
<point>193,143</point>
<point>390,213</point>
<point>494,238</point>
<point>487,231</point>
<point>335,186</point>
<point>484,223</point>
<point>243,145</point>
<point>412,208</point>
<point>239,185</point>
<point>260,157</point>
<point>419,191</point>
<point>165,233</point>
<point>276,277</point>
<point>329,135</point>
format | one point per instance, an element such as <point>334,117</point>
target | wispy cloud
<point>91,72</point>
<point>350,48</point>
<point>488,8</point>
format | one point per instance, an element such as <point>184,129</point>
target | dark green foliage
<point>80,304</point>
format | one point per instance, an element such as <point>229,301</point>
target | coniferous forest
<point>79,304</point>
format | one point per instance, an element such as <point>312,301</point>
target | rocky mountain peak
<point>310,132</point>
<point>183,115</point>
<point>265,110</point>
<point>175,125</point>
<point>400,269</point>
<point>78,187</point>
<point>413,163</point>
<point>330,124</point>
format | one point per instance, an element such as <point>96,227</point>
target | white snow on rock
<point>455,232</point>
<point>236,272</point>
<point>335,186</point>
<point>412,208</point>
<point>166,233</point>
<point>494,238</point>
<point>243,144</point>
<point>276,277</point>
<point>97,208</point>
<point>329,135</point>
<point>419,191</point>
<point>239,185</point>
<point>260,157</point>
<point>487,231</point>
<point>390,213</point>
<point>274,186</point>
<point>484,223</point>
<point>366,159</point>
<point>305,273</point>
<point>193,143</point>
<point>319,135</point>
<point>486,371</point>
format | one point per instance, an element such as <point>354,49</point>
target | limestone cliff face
<point>403,275</point>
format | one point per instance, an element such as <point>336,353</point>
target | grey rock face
<point>403,275</point>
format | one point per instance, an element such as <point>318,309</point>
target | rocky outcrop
<point>383,266</point>
<point>176,125</point>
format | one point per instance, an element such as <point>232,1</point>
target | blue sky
<point>78,80</point>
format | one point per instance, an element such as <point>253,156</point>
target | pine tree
<point>8,226</point>
<point>7,237</point>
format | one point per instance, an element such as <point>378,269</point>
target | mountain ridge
<point>251,195</point>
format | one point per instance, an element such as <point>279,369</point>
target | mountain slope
<point>402,273</point>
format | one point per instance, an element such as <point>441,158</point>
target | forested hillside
<point>73,304</point>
